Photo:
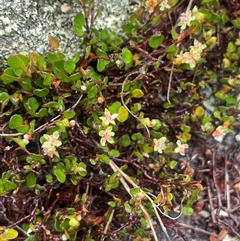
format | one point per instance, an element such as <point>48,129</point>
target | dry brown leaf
<point>223,233</point>
<point>213,238</point>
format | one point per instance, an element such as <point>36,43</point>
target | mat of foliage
<point>137,139</point>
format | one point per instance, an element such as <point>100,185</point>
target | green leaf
<point>70,66</point>
<point>185,128</point>
<point>15,121</point>
<point>59,171</point>
<point>59,71</point>
<point>104,158</point>
<point>42,112</point>
<point>236,23</point>
<point>114,107</point>
<point>18,61</point>
<point>231,47</point>
<point>172,164</point>
<point>127,207</point>
<point>47,79</point>
<point>31,180</point>
<point>127,56</point>
<point>18,72</point>
<point>174,34</point>
<point>122,114</point>
<point>31,105</point>
<point>111,186</point>
<point>73,222</point>
<point>135,191</point>
<point>79,22</point>
<point>155,41</point>
<point>126,140</point>
<point>20,142</point>
<point>8,76</point>
<point>9,185</point>
<point>104,34</point>
<point>69,114</point>
<point>41,92</point>
<point>137,137</point>
<point>9,234</point>
<point>3,96</point>
<point>199,111</point>
<point>76,58</point>
<point>187,211</point>
<point>82,169</point>
<point>53,57</point>
<point>137,93</point>
<point>4,99</point>
<point>26,83</point>
<point>101,64</point>
<point>92,92</point>
<point>136,107</point>
<point>114,153</point>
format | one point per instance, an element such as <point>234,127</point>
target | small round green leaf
<point>9,234</point>
<point>47,79</point>
<point>4,96</point>
<point>15,121</point>
<point>69,114</point>
<point>101,64</point>
<point>92,92</point>
<point>122,114</point>
<point>199,111</point>
<point>31,104</point>
<point>69,66</point>
<point>59,171</point>
<point>41,92</point>
<point>155,41</point>
<point>126,140</point>
<point>20,142</point>
<point>187,211</point>
<point>127,56</point>
<point>114,107</point>
<point>114,153</point>
<point>8,76</point>
<point>137,93</point>
<point>18,61</point>
<point>172,164</point>
<point>9,185</point>
<point>135,191</point>
<point>127,207</point>
<point>104,158</point>
<point>79,22</point>
<point>31,180</point>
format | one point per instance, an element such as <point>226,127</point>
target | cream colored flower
<point>106,136</point>
<point>159,144</point>
<point>108,118</point>
<point>164,5</point>
<point>52,142</point>
<point>181,148</point>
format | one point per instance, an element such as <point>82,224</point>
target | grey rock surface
<point>25,25</point>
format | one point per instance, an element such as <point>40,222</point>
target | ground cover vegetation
<point>129,135</point>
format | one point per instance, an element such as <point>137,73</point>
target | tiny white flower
<point>106,136</point>
<point>164,5</point>
<point>181,148</point>
<point>159,144</point>
<point>108,118</point>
